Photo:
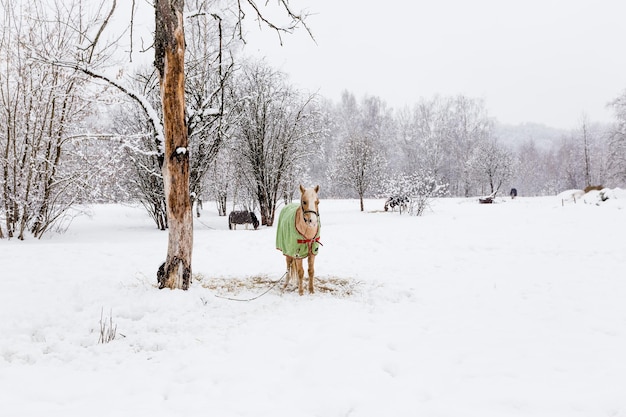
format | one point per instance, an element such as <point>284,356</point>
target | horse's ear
<point>317,189</point>
<point>302,190</point>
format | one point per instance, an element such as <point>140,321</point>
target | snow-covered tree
<point>593,145</point>
<point>617,143</point>
<point>440,135</point>
<point>365,130</point>
<point>417,188</point>
<point>570,164</point>
<point>424,136</point>
<point>529,175</point>
<point>142,159</point>
<point>470,126</point>
<point>222,180</point>
<point>359,165</point>
<point>42,108</point>
<point>314,172</point>
<point>211,43</point>
<point>491,164</point>
<point>276,132</point>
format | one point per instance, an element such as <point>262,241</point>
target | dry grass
<point>108,330</point>
<point>335,286</point>
<point>592,188</point>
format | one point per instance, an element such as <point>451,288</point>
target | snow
<point>509,309</point>
<point>570,195</point>
<point>212,111</point>
<point>181,150</point>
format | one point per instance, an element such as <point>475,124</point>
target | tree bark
<point>170,63</point>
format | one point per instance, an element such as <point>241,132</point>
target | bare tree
<point>222,179</point>
<point>568,162</point>
<point>530,177</point>
<point>43,106</point>
<point>210,41</point>
<point>470,125</point>
<point>142,160</point>
<point>360,160</point>
<point>586,151</point>
<point>617,142</point>
<point>359,165</point>
<point>596,156</point>
<point>440,135</point>
<point>276,131</point>
<point>491,163</point>
<point>169,48</point>
<point>424,137</point>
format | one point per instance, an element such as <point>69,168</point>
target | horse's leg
<point>311,262</point>
<point>288,275</point>
<point>300,275</point>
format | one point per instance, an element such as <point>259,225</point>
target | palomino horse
<point>298,235</point>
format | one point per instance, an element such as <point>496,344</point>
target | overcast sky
<point>541,61</point>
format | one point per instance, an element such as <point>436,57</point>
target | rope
<point>204,224</point>
<point>258,296</point>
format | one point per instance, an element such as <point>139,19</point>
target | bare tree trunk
<point>170,62</point>
<point>586,149</point>
<point>53,159</point>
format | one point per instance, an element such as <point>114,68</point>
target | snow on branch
<point>417,189</point>
<point>150,111</point>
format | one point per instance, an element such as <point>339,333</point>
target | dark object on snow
<point>513,192</point>
<point>400,201</point>
<point>161,276</point>
<point>242,217</point>
<point>488,199</point>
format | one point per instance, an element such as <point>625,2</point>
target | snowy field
<point>511,309</point>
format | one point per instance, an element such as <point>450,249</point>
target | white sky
<point>543,61</point>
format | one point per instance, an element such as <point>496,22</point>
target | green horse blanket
<point>289,240</point>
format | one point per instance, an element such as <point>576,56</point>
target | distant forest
<point>77,130</point>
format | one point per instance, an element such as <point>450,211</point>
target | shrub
<point>419,188</point>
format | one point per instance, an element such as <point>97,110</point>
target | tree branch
<point>150,111</point>
<point>296,20</point>
<point>104,24</point>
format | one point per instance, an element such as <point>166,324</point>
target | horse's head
<point>309,203</point>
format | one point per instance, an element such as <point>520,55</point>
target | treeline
<point>73,134</point>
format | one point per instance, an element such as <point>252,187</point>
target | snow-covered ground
<point>511,309</point>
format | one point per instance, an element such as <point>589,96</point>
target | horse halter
<point>308,205</point>
<point>317,215</point>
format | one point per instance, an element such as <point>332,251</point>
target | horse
<point>397,200</point>
<point>242,217</point>
<point>298,236</point>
